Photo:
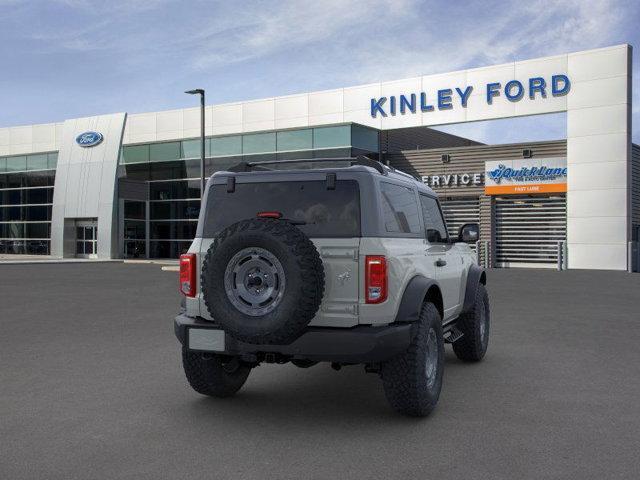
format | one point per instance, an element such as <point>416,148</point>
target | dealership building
<point>127,185</point>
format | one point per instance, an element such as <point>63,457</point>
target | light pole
<point>200,91</point>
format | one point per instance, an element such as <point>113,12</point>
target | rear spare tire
<point>263,281</point>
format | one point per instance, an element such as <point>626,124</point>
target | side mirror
<point>469,233</point>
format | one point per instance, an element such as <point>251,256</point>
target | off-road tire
<point>404,377</point>
<point>214,375</point>
<point>304,284</point>
<point>473,344</point>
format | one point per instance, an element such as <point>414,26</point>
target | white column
<point>599,158</point>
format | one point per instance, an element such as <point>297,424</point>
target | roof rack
<point>359,160</point>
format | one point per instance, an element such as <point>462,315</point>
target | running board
<point>453,334</point>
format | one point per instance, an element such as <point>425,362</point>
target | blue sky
<point>72,58</point>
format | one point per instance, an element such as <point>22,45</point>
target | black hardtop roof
<point>358,164</point>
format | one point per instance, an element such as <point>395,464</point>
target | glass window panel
<point>191,148</point>
<point>295,140</point>
<point>52,160</point>
<point>328,137</point>
<point>12,213</point>
<point>434,223</point>
<point>3,164</point>
<point>37,213</point>
<point>173,230</point>
<point>16,247</point>
<point>12,197</point>
<point>259,143</point>
<point>294,155</point>
<point>174,190</point>
<point>38,195</point>
<point>79,233</point>
<point>364,138</point>
<point>192,168</point>
<point>168,170</point>
<point>15,180</point>
<point>37,162</point>
<point>135,154</point>
<point>213,165</point>
<point>39,179</point>
<point>134,229</point>
<point>262,157</point>
<point>134,249</point>
<point>174,210</point>
<point>37,230</point>
<point>37,247</point>
<point>399,209</point>
<point>160,152</point>
<point>15,230</point>
<point>134,209</point>
<point>138,171</point>
<point>16,164</point>
<point>168,249</point>
<point>79,248</point>
<point>223,146</point>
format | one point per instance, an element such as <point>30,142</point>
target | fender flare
<point>413,298</point>
<point>475,277</point>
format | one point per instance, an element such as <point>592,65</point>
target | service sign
<point>526,176</point>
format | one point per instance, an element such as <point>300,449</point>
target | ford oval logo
<point>89,139</point>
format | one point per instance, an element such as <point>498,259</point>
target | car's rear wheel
<point>413,380</point>
<point>475,328</point>
<point>214,375</point>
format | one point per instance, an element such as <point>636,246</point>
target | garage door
<point>528,230</point>
<point>459,211</point>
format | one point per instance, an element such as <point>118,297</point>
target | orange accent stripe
<point>525,189</point>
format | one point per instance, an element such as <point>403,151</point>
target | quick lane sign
<point>446,99</point>
<point>525,176</point>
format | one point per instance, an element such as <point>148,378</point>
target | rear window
<point>325,213</point>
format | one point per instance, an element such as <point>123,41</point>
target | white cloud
<point>259,48</point>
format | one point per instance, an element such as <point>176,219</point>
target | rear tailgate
<point>339,306</point>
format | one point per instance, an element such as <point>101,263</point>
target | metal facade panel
<point>85,185</point>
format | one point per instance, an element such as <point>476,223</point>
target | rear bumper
<point>362,344</point>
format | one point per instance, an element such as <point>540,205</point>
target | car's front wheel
<point>214,375</point>
<point>475,328</point>
<point>413,380</point>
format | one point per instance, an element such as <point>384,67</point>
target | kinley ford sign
<point>447,98</point>
<point>504,177</point>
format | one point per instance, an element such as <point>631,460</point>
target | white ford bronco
<point>348,264</point>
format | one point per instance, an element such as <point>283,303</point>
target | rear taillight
<point>375,279</point>
<point>188,274</point>
<point>269,215</point>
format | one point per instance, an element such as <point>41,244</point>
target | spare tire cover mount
<point>254,281</point>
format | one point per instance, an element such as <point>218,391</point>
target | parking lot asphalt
<point>92,388</point>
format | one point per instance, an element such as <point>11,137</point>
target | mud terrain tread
<point>208,377</point>
<point>470,348</point>
<point>404,384</point>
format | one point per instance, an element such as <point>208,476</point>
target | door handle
<point>440,262</point>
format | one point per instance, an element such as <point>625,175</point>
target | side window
<point>433,221</point>
<point>400,209</point>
